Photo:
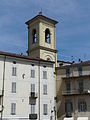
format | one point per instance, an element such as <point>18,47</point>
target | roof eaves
<point>23,57</point>
<point>42,17</point>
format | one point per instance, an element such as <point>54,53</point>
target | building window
<point>47,36</point>
<point>44,74</point>
<point>32,108</point>
<point>13,87</point>
<point>80,71</point>
<point>32,73</point>
<point>68,87</point>
<point>45,112</point>
<point>34,36</point>
<point>13,108</point>
<point>82,106</point>
<point>45,89</point>
<point>80,85</point>
<point>32,87</point>
<point>67,72</point>
<point>68,107</point>
<point>14,71</point>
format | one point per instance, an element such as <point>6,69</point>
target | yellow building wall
<point>42,27</point>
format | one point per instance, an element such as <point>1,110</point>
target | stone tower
<point>41,38</point>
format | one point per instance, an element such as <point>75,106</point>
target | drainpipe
<point>39,88</point>
<point>55,110</point>
<point>3,85</point>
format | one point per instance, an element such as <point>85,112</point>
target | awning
<point>82,118</point>
<point>71,118</point>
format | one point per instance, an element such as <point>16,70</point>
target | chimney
<point>79,60</point>
<point>73,62</point>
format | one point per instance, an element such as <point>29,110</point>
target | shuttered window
<point>32,109</point>
<point>45,89</point>
<point>14,71</point>
<point>32,87</point>
<point>13,108</point>
<point>45,109</point>
<point>32,73</point>
<point>68,107</point>
<point>13,87</point>
<point>68,87</point>
<point>44,74</point>
<point>80,71</point>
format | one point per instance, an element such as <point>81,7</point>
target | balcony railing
<point>77,92</point>
<point>33,95</point>
<point>32,116</point>
<point>68,114</point>
<point>75,74</point>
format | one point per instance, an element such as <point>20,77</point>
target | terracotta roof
<point>41,17</point>
<point>23,56</point>
<point>83,63</point>
<point>64,61</point>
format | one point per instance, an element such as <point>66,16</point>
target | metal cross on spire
<point>40,13</point>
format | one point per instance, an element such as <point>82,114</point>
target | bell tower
<point>41,38</point>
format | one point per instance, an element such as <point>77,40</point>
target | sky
<point>72,31</point>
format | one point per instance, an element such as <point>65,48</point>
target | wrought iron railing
<point>77,91</point>
<point>32,116</point>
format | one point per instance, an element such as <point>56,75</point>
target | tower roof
<point>40,16</point>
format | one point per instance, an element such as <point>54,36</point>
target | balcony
<point>76,75</point>
<point>68,114</point>
<point>76,92</point>
<point>32,101</point>
<point>32,116</point>
<point>33,95</point>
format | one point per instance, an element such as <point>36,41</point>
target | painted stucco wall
<point>62,96</point>
<point>23,88</point>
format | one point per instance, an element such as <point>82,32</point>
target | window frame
<point>68,87</point>
<point>47,36</point>
<point>80,71</point>
<point>33,88</point>
<point>34,36</point>
<point>32,73</point>
<point>14,71</point>
<point>32,108</point>
<point>44,89</point>
<point>13,108</point>
<point>80,85</point>
<point>82,106</point>
<point>68,106</point>
<point>44,74</point>
<point>45,109</point>
<point>13,87</point>
<point>68,72</point>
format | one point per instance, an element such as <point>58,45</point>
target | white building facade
<point>26,88</point>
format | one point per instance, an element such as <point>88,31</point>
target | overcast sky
<point>72,31</point>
